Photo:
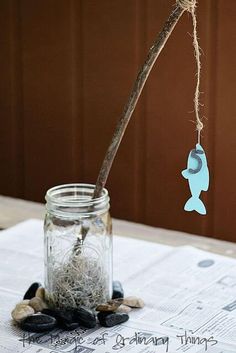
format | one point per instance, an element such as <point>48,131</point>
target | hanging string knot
<point>187,5</point>
<point>199,126</point>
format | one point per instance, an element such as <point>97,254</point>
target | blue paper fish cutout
<point>197,174</point>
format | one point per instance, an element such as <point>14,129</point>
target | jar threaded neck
<point>69,200</point>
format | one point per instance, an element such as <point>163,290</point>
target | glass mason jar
<point>78,247</point>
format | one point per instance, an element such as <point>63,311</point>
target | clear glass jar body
<point>78,247</point>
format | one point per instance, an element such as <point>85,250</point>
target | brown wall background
<point>67,67</point>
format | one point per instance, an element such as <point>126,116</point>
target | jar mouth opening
<point>76,194</point>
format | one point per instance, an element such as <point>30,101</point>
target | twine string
<point>190,6</point>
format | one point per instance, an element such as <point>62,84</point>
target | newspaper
<point>190,298</point>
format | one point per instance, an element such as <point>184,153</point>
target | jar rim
<point>54,195</point>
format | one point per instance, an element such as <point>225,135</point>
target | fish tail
<point>195,204</point>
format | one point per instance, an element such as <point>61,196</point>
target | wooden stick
<point>143,74</point>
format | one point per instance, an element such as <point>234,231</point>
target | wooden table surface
<point>13,211</point>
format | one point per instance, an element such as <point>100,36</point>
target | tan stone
<point>40,293</point>
<point>123,309</point>
<point>37,304</point>
<point>25,301</point>
<point>133,302</point>
<point>108,307</point>
<point>21,311</point>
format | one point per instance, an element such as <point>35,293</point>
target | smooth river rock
<point>22,310</point>
<point>37,304</point>
<point>31,291</point>
<point>110,319</point>
<point>111,305</point>
<point>40,293</point>
<point>86,317</point>
<point>65,318</point>
<point>123,309</point>
<point>118,291</point>
<point>133,302</point>
<point>38,323</point>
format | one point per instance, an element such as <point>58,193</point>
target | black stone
<point>86,317</point>
<point>38,323</point>
<point>68,326</point>
<point>31,291</point>
<point>65,318</point>
<point>109,319</point>
<point>118,291</point>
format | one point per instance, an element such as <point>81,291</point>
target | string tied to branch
<point>190,6</point>
<point>187,5</point>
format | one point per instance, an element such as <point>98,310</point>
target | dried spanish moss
<point>81,280</point>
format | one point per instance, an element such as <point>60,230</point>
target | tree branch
<point>143,74</point>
